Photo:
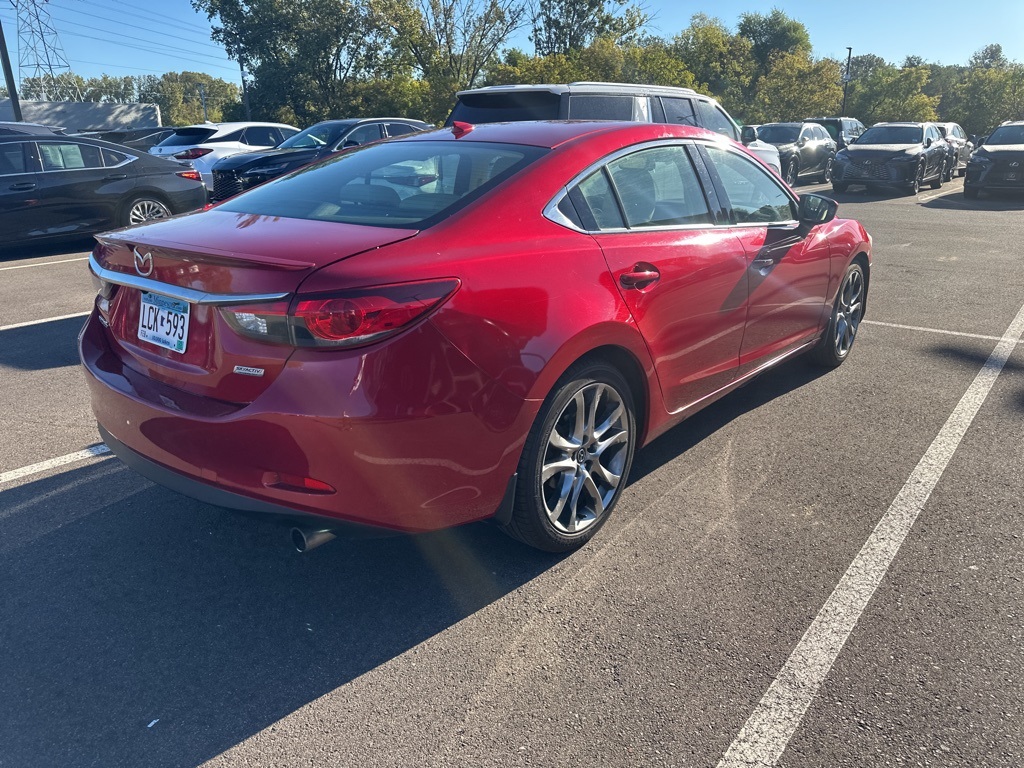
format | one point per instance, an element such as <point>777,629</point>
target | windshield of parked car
<point>403,184</point>
<point>778,134</point>
<point>316,136</point>
<point>1007,134</point>
<point>186,137</point>
<point>892,134</point>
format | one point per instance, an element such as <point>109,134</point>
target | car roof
<point>231,126</point>
<point>588,87</point>
<point>29,128</point>
<point>551,133</point>
<point>793,124</point>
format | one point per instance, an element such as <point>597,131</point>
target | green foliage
<point>796,86</point>
<point>180,96</point>
<point>563,26</point>
<point>722,63</point>
<point>773,33</point>
<point>986,97</point>
<point>889,93</point>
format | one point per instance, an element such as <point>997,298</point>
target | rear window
<point>778,134</point>
<point>408,185</point>
<point>509,107</point>
<point>186,137</point>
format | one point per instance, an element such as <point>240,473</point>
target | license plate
<point>164,321</point>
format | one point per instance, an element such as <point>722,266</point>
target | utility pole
<point>202,98</point>
<point>12,90</point>
<point>245,92</point>
<point>846,78</point>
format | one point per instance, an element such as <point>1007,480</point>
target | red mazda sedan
<point>476,322</point>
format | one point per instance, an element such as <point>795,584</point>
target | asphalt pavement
<point>819,570</point>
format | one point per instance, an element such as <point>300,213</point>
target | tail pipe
<point>305,539</point>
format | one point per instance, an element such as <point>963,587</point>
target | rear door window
<point>588,107</point>
<point>364,134</point>
<point>679,111</point>
<point>61,156</point>
<point>399,129</point>
<point>261,136</point>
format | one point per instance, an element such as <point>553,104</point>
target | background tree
<point>450,42</point>
<point>722,63</point>
<point>783,95</point>
<point>773,33</point>
<point>890,93</point>
<point>180,96</point>
<point>563,26</point>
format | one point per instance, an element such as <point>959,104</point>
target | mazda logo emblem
<point>143,263</point>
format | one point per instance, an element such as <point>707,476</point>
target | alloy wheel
<point>147,209</point>
<point>584,459</point>
<point>849,312</point>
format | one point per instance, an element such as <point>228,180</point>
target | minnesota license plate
<point>164,321</point>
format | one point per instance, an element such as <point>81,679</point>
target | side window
<point>714,119</point>
<point>230,137</point>
<point>286,133</point>
<point>600,107</point>
<point>594,196</point>
<point>753,195</point>
<point>399,129</point>
<point>658,187</point>
<point>261,136</point>
<point>363,135</point>
<point>679,111</point>
<point>58,156</point>
<point>112,158</point>
<point>12,159</point>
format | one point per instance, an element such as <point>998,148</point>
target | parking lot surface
<point>818,570</point>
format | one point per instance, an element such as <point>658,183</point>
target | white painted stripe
<point>43,264</point>
<point>926,198</point>
<point>934,330</point>
<point>767,732</point>
<point>34,469</point>
<point>40,322</point>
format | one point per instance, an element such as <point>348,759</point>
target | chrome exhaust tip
<point>305,539</point>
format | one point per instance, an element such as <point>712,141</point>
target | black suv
<point>805,149</point>
<point>960,148</point>
<point>602,101</point>
<point>893,154</point>
<point>236,173</point>
<point>843,130</point>
<point>999,162</point>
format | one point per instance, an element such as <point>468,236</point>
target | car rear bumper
<point>382,445</point>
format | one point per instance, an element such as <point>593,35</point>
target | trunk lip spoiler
<point>190,295</point>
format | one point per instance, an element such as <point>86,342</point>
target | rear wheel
<point>847,312</point>
<point>826,175</point>
<point>144,208</point>
<point>792,171</point>
<point>937,181</point>
<point>576,459</point>
<point>950,170</point>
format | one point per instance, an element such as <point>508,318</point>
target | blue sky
<point>138,37</point>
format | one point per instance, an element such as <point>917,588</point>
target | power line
<point>163,18</point>
<point>148,49</point>
<point>133,26</point>
<point>153,42</point>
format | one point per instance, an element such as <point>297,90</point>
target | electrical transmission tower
<point>40,54</point>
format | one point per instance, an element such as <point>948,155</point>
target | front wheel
<point>847,312</point>
<point>576,459</point>
<point>826,175</point>
<point>915,185</point>
<point>792,171</point>
<point>937,181</point>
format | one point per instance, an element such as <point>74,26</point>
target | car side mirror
<point>815,209</point>
<point>980,141</point>
<point>748,134</point>
<point>973,138</point>
<point>928,142</point>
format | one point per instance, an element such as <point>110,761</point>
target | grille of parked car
<point>225,184</point>
<point>872,170</point>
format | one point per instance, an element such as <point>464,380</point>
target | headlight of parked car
<point>980,159</point>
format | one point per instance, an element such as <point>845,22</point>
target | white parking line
<point>40,322</point>
<point>767,732</point>
<point>934,330</point>
<point>939,194</point>
<point>43,264</point>
<point>34,469</point>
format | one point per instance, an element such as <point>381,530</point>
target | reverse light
<point>192,154</point>
<point>343,319</point>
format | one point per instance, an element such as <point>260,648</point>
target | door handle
<point>763,263</point>
<point>22,186</point>
<point>641,276</point>
<point>115,176</point>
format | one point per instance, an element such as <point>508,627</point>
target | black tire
<point>826,175</point>
<point>971,193</point>
<point>937,181</point>
<point>950,169</point>
<point>839,186</point>
<point>792,172</point>
<point>915,186</point>
<point>143,208</point>
<point>847,312</point>
<point>562,512</point>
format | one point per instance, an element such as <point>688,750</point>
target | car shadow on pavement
<point>757,392</point>
<point>13,253</point>
<point>44,346</point>
<point>142,628</point>
<point>992,201</point>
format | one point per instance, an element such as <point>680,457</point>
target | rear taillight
<point>192,154</point>
<point>344,319</point>
<point>194,175</point>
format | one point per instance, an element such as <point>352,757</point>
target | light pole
<point>846,78</point>
<point>12,88</point>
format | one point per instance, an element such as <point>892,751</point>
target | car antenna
<point>460,129</point>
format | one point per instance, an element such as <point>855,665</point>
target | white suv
<point>206,143</point>
<point>603,101</point>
